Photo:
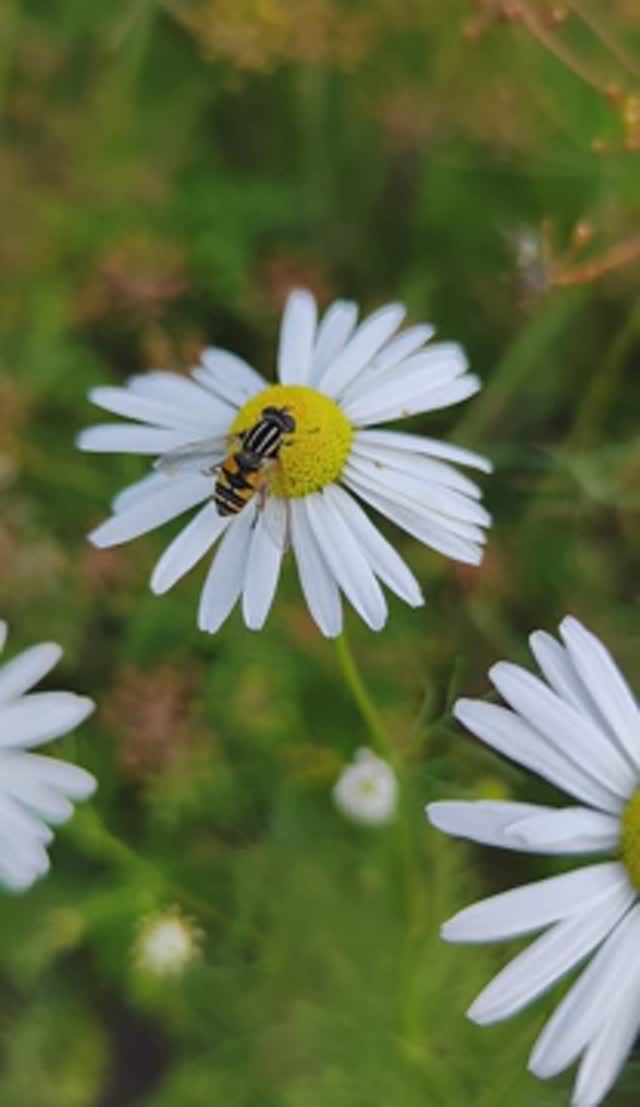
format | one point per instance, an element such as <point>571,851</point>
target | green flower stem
<point>363,701</point>
<point>405,848</point>
<point>606,383</point>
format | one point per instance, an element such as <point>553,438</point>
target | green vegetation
<point>167,172</point>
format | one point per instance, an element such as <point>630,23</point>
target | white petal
<point>506,732</point>
<point>45,802</point>
<point>534,906</point>
<point>201,457</point>
<point>316,580</point>
<point>601,676</point>
<point>125,402</point>
<point>334,331</point>
<point>226,577</point>
<point>526,827</point>
<point>187,548</point>
<point>19,675</point>
<point>43,785</point>
<point>434,368</point>
<point>70,780</point>
<point>361,348</point>
<point>264,561</point>
<point>587,1006</point>
<point>406,401</point>
<point>170,500</point>
<point>344,557</point>
<point>563,726</point>
<point>392,488</point>
<point>417,443</point>
<point>297,336</point>
<point>115,438</point>
<point>402,346</point>
<point>22,861</point>
<point>483,821</point>
<point>138,491</point>
<point>383,559</point>
<point>229,377</point>
<point>41,716</point>
<point>411,490</point>
<point>416,467</point>
<point>184,396</point>
<point>392,358</point>
<point>550,958</point>
<point>559,672</point>
<point>610,1048</point>
<point>430,531</point>
<point>570,830</point>
<point>16,822</point>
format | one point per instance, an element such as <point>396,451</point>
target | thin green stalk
<point>404,845</point>
<point>363,701</point>
<point>605,384</point>
<point>591,413</point>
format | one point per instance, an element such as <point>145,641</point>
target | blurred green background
<point>168,171</point>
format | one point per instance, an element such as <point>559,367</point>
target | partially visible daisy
<point>336,380</point>
<point>34,790</point>
<point>166,943</point>
<point>579,728</point>
<point>367,789</point>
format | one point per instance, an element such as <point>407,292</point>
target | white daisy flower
<point>367,789</point>
<point>166,944</point>
<point>579,728</point>
<point>34,790</point>
<point>336,380</point>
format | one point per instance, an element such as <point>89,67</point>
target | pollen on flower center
<point>315,453</point>
<point>630,839</point>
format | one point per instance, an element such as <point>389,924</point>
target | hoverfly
<point>243,472</point>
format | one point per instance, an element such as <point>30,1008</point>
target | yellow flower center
<point>630,839</point>
<point>314,454</point>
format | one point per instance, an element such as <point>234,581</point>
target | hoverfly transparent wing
<point>274,518</point>
<point>204,456</point>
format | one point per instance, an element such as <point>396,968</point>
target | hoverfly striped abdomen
<point>242,473</point>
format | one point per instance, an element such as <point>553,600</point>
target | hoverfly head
<point>280,417</point>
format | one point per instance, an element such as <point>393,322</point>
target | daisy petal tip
<point>536,1066</point>
<point>415,598</point>
<point>90,788</point>
<point>54,652</point>
<point>461,709</point>
<point>477,1014</point>
<point>85,707</point>
<point>538,638</point>
<point>450,932</point>
<point>572,626</point>
<point>330,632</point>
<point>82,440</point>
<point>159,584</point>
<point>96,536</point>
<point>433,814</point>
<point>500,669</point>
<point>301,296</point>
